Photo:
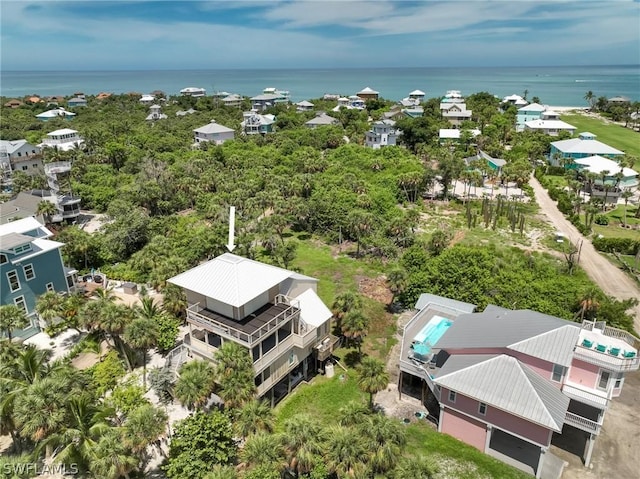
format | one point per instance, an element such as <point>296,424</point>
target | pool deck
<point>419,321</point>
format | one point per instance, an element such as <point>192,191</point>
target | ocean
<point>559,86</point>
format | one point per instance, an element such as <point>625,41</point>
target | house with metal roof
<point>600,166</point>
<point>257,124</point>
<point>274,313</point>
<point>19,155</point>
<point>304,105</point>
<point>527,113</point>
<point>77,101</point>
<point>368,94</point>
<point>55,113</point>
<point>213,133</point>
<point>382,133</point>
<point>193,91</point>
<point>155,113</point>
<point>65,139</point>
<point>30,265</point>
<point>321,119</point>
<point>510,381</point>
<point>455,113</point>
<point>583,146</point>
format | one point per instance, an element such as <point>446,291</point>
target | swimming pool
<point>433,330</point>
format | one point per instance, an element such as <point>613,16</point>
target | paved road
<point>609,277</point>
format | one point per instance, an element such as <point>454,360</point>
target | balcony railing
<point>583,423</point>
<point>612,362</point>
<point>582,394</point>
<point>249,339</point>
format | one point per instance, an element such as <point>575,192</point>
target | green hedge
<point>626,246</point>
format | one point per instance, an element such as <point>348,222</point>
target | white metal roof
<point>580,145</point>
<point>322,120</point>
<point>555,346</point>
<point>213,127</point>
<point>55,112</point>
<point>192,89</point>
<point>63,131</point>
<point>417,93</point>
<point>304,103</point>
<point>598,164</point>
<point>505,383</point>
<point>540,124</point>
<point>231,279</point>
<point>12,146</point>
<point>454,133</point>
<point>24,225</point>
<point>532,107</point>
<point>368,90</point>
<point>312,310</point>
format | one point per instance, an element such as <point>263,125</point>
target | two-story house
<point>321,119</point>
<point>155,113</point>
<point>455,113</point>
<point>382,133</point>
<point>213,133</point>
<point>256,124</point>
<point>30,265</point>
<point>583,146</point>
<point>507,382</point>
<point>527,113</point>
<point>193,91</point>
<point>64,139</point>
<point>19,155</point>
<point>274,313</point>
<point>550,124</point>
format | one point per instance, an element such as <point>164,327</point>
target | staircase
<point>176,358</point>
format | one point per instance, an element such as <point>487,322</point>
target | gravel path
<point>609,277</point>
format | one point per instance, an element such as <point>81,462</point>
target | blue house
<point>30,265</point>
<point>584,146</point>
<point>78,101</point>
<point>529,113</point>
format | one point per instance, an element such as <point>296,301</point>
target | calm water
<point>554,85</point>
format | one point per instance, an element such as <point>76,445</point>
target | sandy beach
<point>564,109</point>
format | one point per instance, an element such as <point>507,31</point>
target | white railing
<point>625,336</point>
<point>176,358</point>
<point>581,394</point>
<point>582,423</point>
<point>225,330</point>
<point>614,363</point>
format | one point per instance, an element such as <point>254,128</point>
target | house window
<point>14,282</point>
<point>292,358</point>
<point>22,248</point>
<point>619,381</point>
<point>19,302</point>
<point>452,396</point>
<point>482,409</point>
<point>25,167</point>
<point>604,380</point>
<point>50,287</point>
<point>558,373</point>
<point>29,274</point>
<point>19,154</point>
<point>3,258</point>
<point>34,165</point>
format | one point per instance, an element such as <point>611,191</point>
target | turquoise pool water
<point>433,331</point>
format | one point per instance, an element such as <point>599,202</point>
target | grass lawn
<point>324,397</point>
<point>611,231</point>
<point>617,215</point>
<point>614,135</point>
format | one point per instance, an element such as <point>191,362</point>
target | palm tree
<point>344,303</point>
<point>149,309</point>
<point>255,416</point>
<point>372,377</point>
<point>589,303</point>
<point>397,281</point>
<point>12,317</point>
<point>626,194</point>
<point>195,384</point>
<point>263,449</point>
<point>345,452</point>
<point>386,438</point>
<point>352,414</point>
<point>142,334</point>
<point>113,320</point>
<point>112,459</point>
<point>303,441</point>
<point>49,306</point>
<point>234,374</point>
<point>144,426</point>
<point>86,423</point>
<point>603,175</point>
<point>47,210</point>
<point>354,328</point>
<point>590,97</point>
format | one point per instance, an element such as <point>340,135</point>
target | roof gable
<point>505,383</point>
<point>555,346</point>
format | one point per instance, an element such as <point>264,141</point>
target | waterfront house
<point>64,139</point>
<point>155,113</point>
<point>254,123</point>
<point>30,265</point>
<point>275,314</point>
<point>77,101</point>
<point>529,113</point>
<point>583,146</point>
<point>382,133</point>
<point>368,94</point>
<point>55,113</point>
<point>514,99</point>
<point>213,133</point>
<point>509,382</point>
<point>322,119</point>
<point>193,91</point>
<point>417,96</point>
<point>147,99</point>
<point>19,155</point>
<point>103,95</point>
<point>269,97</point>
<point>550,124</point>
<point>304,106</point>
<point>618,100</point>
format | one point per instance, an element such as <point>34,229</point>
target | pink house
<point>507,382</point>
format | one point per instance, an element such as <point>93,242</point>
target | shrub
<point>168,332</point>
<point>564,203</point>
<point>602,220</point>
<point>627,246</point>
<point>107,372</point>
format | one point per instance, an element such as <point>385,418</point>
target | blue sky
<point>111,35</point>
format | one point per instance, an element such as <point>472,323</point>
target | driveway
<point>609,277</point>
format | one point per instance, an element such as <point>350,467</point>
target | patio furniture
<point>629,354</point>
<point>586,343</point>
<point>601,347</point>
<point>614,351</point>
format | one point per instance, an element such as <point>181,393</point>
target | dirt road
<point>609,277</point>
